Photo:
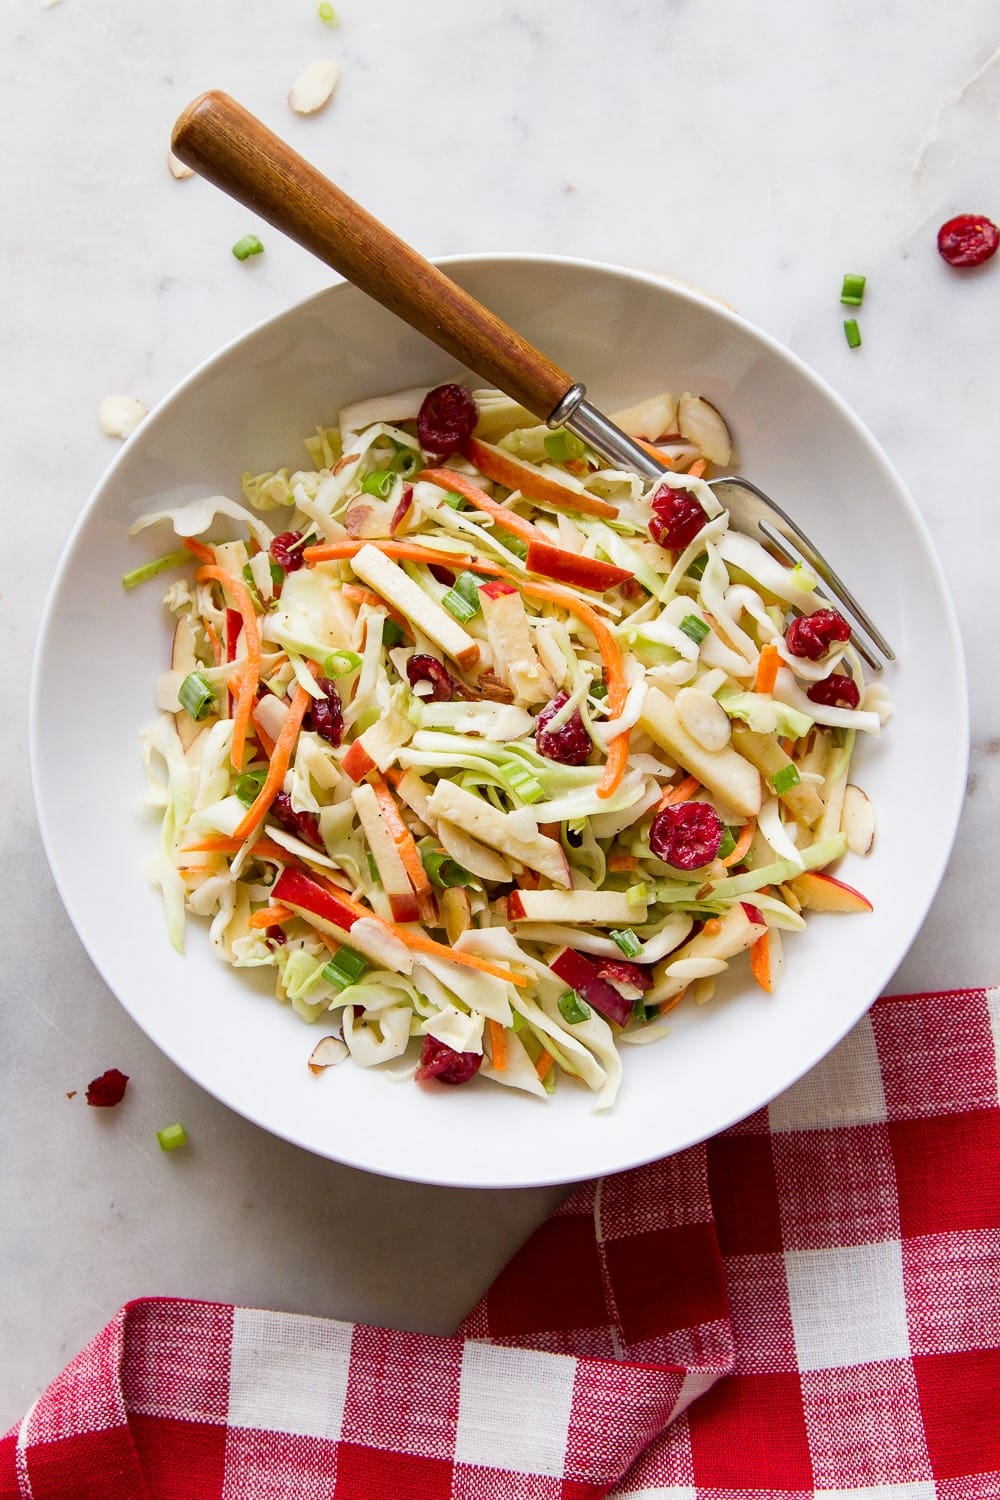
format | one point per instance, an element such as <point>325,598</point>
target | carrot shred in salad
<point>494,752</point>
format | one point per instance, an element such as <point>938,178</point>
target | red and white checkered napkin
<point>807,1306</point>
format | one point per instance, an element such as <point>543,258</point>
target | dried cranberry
<point>107,1090</point>
<point>754,913</point>
<point>286,552</point>
<point>305,825</point>
<point>276,934</point>
<point>447,417</point>
<point>437,1060</point>
<point>835,691</point>
<point>687,835</point>
<point>968,240</point>
<point>677,517</point>
<point>421,668</point>
<point>630,980</point>
<point>570,745</point>
<point>443,575</point>
<point>325,715</point>
<point>812,635</point>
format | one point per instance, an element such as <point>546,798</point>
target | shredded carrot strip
<point>742,844</point>
<point>543,1067</point>
<point>500,467</point>
<point>199,550</point>
<point>664,458</point>
<point>412,551</point>
<point>623,862</point>
<point>213,640</point>
<point>698,468</point>
<point>498,1045</point>
<point>447,479</point>
<point>760,962</point>
<point>682,792</point>
<point>767,669</point>
<point>284,746</point>
<point>249,675</point>
<point>359,595</point>
<point>262,849</point>
<point>672,1004</point>
<point>270,916</point>
<point>402,838</point>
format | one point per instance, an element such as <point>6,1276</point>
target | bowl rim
<point>662,282</point>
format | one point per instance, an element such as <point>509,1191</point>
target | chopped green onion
<point>158,565</point>
<point>373,868</point>
<point>694,628</point>
<point>626,940</point>
<point>511,542</point>
<point>521,780</point>
<point>785,779</point>
<point>442,870</point>
<point>839,736</point>
<point>852,293</point>
<point>802,578</point>
<point>697,568</point>
<point>456,502</point>
<point>171,1136</point>
<point>248,785</point>
<point>247,246</point>
<point>651,1012</point>
<point>637,894</point>
<point>563,446</point>
<point>458,607</point>
<point>467,584</point>
<point>392,634</point>
<point>327,14</point>
<point>346,967</point>
<point>572,1008</point>
<point>340,663</point>
<point>852,333</point>
<point>195,695</point>
<point>405,461</point>
<point>728,843</point>
<point>599,690</point>
<point>379,482</point>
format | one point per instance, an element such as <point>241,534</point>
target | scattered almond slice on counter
<point>313,88</point>
<point>120,415</point>
<point>178,168</point>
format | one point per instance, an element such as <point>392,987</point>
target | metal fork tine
<point>858,640</point>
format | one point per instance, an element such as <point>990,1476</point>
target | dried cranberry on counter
<point>423,668</point>
<point>304,825</point>
<point>968,240</point>
<point>687,835</point>
<point>437,1060</point>
<point>570,745</point>
<point>447,418</point>
<point>811,636</point>
<point>677,518</point>
<point>108,1090</point>
<point>836,691</point>
<point>286,552</point>
<point>325,716</point>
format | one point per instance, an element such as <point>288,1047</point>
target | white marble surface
<point>758,152</point>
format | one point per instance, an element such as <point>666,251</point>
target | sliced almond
<point>456,912</point>
<point>700,422</point>
<point>313,88</point>
<point>178,168</point>
<point>120,415</point>
<point>327,1053</point>
<point>857,820</point>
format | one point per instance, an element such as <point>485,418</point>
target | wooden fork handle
<point>225,143</point>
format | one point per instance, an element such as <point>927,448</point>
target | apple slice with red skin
<point>403,902</point>
<point>819,892</point>
<point>503,469</point>
<point>581,974</point>
<point>323,910</point>
<point>402,510</point>
<point>568,567</point>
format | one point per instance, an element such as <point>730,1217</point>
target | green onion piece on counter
<point>626,940</point>
<point>572,1008</point>
<point>340,663</point>
<point>379,482</point>
<point>697,568</point>
<point>327,14</point>
<point>637,893</point>
<point>728,844</point>
<point>852,333</point>
<point>248,785</point>
<point>346,967</point>
<point>171,1136</point>
<point>442,870</point>
<point>467,584</point>
<point>195,695</point>
<point>521,780</point>
<point>785,779</point>
<point>456,502</point>
<point>458,607</point>
<point>158,565</point>
<point>247,246</point>
<point>852,293</point>
<point>373,868</point>
<point>694,628</point>
<point>392,634</point>
<point>512,543</point>
<point>563,446</point>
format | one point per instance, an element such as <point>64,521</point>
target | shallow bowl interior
<point>626,335</point>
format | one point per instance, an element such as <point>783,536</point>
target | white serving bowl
<point>626,335</point>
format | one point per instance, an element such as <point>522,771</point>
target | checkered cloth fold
<point>808,1305</point>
